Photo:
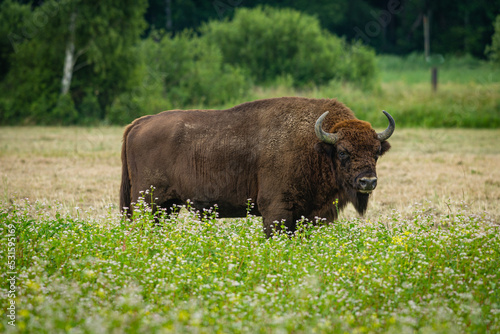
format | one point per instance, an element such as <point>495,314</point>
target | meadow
<point>424,259</point>
<point>468,94</point>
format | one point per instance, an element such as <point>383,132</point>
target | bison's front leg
<point>273,226</point>
<point>276,219</point>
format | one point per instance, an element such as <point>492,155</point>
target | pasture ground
<point>425,259</point>
<point>80,167</point>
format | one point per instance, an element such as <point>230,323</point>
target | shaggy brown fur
<point>264,150</point>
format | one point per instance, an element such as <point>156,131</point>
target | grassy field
<point>468,94</point>
<point>80,167</point>
<point>426,257</point>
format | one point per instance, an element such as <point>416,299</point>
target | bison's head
<point>353,147</point>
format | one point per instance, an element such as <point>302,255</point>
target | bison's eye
<point>343,155</point>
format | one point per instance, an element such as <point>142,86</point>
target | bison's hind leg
<point>159,202</point>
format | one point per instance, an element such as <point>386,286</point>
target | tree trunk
<point>466,29</point>
<point>69,59</point>
<point>427,39</point>
<point>168,14</point>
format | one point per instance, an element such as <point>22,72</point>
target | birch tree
<point>69,61</point>
<point>74,48</point>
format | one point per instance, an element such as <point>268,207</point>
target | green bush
<point>184,71</point>
<point>64,112</point>
<point>493,50</point>
<point>89,109</point>
<point>124,109</point>
<point>194,72</point>
<point>272,43</point>
<point>43,110</point>
<point>361,66</point>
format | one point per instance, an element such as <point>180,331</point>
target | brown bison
<point>274,152</point>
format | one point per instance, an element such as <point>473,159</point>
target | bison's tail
<point>125,198</point>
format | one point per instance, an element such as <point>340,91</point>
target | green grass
<point>413,105</point>
<point>413,69</point>
<point>468,94</point>
<point>426,273</point>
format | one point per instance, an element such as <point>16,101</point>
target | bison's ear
<point>385,147</point>
<point>324,148</point>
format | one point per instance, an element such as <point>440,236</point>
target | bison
<point>273,151</point>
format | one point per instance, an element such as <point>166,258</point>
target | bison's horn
<point>329,138</point>
<point>384,135</point>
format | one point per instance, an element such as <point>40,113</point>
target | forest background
<point>107,62</point>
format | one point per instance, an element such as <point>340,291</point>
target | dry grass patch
<point>80,167</point>
<point>77,167</point>
<point>440,167</point>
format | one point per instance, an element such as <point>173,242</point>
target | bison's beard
<point>360,202</point>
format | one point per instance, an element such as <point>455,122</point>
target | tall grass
<point>414,69</point>
<point>468,94</point>
<point>426,273</point>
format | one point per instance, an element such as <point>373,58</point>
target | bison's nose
<point>367,184</point>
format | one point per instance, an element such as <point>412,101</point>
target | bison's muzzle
<point>367,184</point>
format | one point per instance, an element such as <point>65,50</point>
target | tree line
<point>82,61</point>
<point>389,26</point>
